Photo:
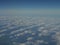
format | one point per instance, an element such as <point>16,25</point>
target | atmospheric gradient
<point>29,22</point>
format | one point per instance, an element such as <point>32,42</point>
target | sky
<point>29,7</point>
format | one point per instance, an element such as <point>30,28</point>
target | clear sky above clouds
<point>29,7</point>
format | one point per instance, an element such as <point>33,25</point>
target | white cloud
<point>2,35</point>
<point>45,30</point>
<point>20,34</point>
<point>3,30</point>
<point>40,41</point>
<point>29,38</point>
<point>58,38</point>
<point>22,44</point>
<point>39,34</point>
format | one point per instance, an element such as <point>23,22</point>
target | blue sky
<point>27,7</point>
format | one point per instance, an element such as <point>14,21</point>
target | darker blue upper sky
<point>29,4</point>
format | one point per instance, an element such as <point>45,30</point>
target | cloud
<point>29,38</point>
<point>51,27</point>
<point>58,38</point>
<point>1,35</point>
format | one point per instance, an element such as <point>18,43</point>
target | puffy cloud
<point>29,38</point>
<point>58,38</point>
<point>45,27</point>
<point>2,35</point>
<point>1,31</point>
<point>40,41</point>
